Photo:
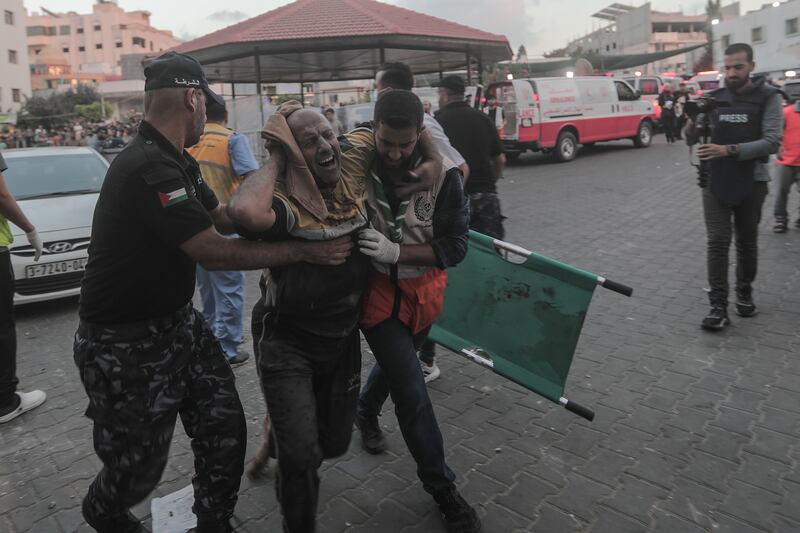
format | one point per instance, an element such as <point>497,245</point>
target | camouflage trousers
<point>311,386</point>
<point>484,214</point>
<point>139,378</point>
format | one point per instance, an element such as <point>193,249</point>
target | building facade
<point>90,45</point>
<point>625,29</point>
<point>774,33</point>
<point>15,80</point>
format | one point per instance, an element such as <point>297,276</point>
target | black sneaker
<point>371,435</point>
<point>458,515</point>
<point>126,523</point>
<point>780,226</point>
<point>716,320</point>
<point>239,359</point>
<point>745,306</point>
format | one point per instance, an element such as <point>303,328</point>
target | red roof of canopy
<point>324,40</point>
<point>321,19</point>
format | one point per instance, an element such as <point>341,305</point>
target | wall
<point>14,76</point>
<point>115,37</point>
<point>777,52</point>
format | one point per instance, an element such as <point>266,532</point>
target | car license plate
<point>51,269</point>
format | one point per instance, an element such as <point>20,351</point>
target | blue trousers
<point>398,373</point>
<point>222,295</point>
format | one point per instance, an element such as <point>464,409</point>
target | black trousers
<point>311,387</point>
<point>398,373</point>
<point>8,335</point>
<point>722,221</point>
<point>137,387</point>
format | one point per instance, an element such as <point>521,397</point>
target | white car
<point>57,189</point>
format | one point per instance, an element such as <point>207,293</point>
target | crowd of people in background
<point>106,134</point>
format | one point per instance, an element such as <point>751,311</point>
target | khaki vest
<point>212,153</point>
<point>417,224</point>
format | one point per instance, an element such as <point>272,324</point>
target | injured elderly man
<point>309,352</point>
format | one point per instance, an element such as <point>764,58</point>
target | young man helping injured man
<point>309,349</point>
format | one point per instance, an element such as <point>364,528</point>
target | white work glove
<point>36,242</point>
<point>375,245</point>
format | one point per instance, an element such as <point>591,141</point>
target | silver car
<point>57,189</point>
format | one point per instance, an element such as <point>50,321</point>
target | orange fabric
<point>421,300</point>
<point>790,150</point>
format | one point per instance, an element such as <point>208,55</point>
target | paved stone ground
<point>694,431</point>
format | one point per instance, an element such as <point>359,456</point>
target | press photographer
<point>745,124</point>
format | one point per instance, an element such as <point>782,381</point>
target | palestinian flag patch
<point>171,198</point>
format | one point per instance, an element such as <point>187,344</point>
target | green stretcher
<point>518,313</point>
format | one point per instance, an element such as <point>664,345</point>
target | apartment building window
<point>138,41</point>
<point>97,27</point>
<point>726,41</point>
<point>757,34</point>
<point>99,46</point>
<point>791,26</point>
<point>79,30</point>
<point>9,16</point>
<point>65,30</point>
<point>151,46</point>
<point>16,96</point>
<point>123,26</point>
<point>12,57</point>
<point>65,49</point>
<point>118,44</point>
<point>81,49</point>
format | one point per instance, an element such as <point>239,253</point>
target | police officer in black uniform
<point>747,128</point>
<point>144,354</point>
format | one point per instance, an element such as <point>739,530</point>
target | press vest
<point>737,119</point>
<point>213,154</point>
<point>412,294</point>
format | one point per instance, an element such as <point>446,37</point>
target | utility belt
<point>131,331</point>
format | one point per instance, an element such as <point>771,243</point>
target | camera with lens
<point>700,112</point>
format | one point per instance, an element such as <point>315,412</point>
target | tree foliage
<point>93,112</point>
<point>58,108</point>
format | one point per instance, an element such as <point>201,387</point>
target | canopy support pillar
<point>257,59</point>
<point>469,69</point>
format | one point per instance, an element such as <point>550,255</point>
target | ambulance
<point>557,115</point>
<point>709,80</point>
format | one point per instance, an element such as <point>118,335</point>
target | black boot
<point>125,523</point>
<point>371,434</point>
<point>458,515</point>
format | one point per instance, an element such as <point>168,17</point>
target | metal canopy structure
<point>329,40</point>
<point>613,11</point>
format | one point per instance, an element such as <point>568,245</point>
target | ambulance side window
<point>624,92</point>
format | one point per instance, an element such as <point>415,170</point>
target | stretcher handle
<point>614,286</point>
<point>578,409</point>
